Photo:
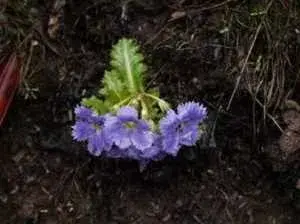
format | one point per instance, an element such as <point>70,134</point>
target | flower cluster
<point>126,135</point>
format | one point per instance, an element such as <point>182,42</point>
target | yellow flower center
<point>130,125</point>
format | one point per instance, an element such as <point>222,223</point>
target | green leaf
<point>113,88</point>
<point>127,63</point>
<point>96,104</point>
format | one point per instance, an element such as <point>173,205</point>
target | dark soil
<point>48,178</point>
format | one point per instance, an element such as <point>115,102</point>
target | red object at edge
<point>9,82</point>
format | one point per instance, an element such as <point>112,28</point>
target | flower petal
<point>151,152</point>
<point>133,153</point>
<point>82,130</point>
<point>141,139</point>
<point>127,114</point>
<point>121,138</point>
<point>83,113</point>
<point>189,135</point>
<point>191,111</point>
<point>115,133</point>
<point>96,144</point>
<point>171,143</point>
<point>111,123</point>
<point>169,123</point>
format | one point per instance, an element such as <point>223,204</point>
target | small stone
<point>30,179</point>
<point>166,218</point>
<point>44,211</point>
<point>59,209</point>
<point>3,198</point>
<point>195,80</point>
<point>15,190</point>
<point>71,209</point>
<point>179,203</point>
<point>211,172</point>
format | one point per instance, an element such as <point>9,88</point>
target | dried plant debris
<point>290,140</point>
<point>56,16</point>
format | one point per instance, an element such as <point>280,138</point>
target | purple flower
<point>90,127</point>
<point>182,128</point>
<point>127,130</point>
<point>128,137</point>
<point>190,115</point>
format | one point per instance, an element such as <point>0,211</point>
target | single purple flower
<point>190,115</point>
<point>127,130</point>
<point>182,128</point>
<point>90,127</point>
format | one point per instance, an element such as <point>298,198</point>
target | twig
<point>238,80</point>
<point>270,116</point>
<point>211,7</point>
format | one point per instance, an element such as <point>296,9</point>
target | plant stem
<point>164,106</point>
<point>116,106</point>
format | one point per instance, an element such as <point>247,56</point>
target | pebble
<point>166,218</point>
<point>3,198</point>
<point>15,190</point>
<point>211,172</point>
<point>30,179</point>
<point>179,203</point>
